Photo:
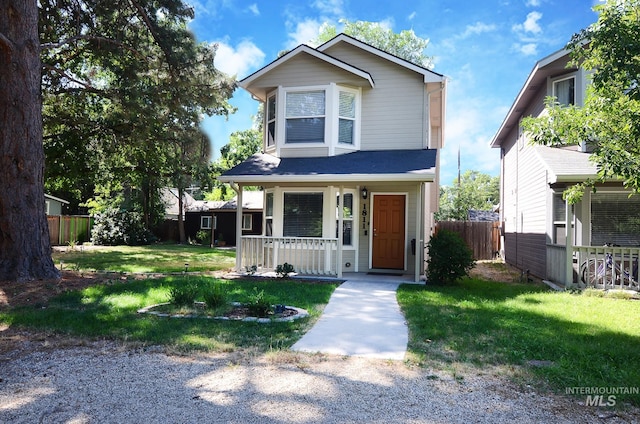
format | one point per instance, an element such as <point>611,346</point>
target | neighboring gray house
<point>534,215</point>
<point>53,205</point>
<point>349,164</point>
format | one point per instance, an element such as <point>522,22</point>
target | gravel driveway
<point>109,383</point>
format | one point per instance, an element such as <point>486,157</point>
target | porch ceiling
<point>360,166</point>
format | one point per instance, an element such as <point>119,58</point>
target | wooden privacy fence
<point>64,229</point>
<point>481,236</point>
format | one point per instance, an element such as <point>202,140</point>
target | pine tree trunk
<point>25,251</point>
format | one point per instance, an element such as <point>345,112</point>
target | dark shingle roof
<point>412,164</point>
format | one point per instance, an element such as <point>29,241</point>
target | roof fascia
<point>429,75</point>
<point>303,48</point>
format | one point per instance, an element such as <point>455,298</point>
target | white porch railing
<point>308,255</point>
<point>607,267</point>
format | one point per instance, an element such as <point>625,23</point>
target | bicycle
<point>608,272</point>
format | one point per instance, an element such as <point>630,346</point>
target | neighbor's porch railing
<point>308,255</point>
<point>607,267</point>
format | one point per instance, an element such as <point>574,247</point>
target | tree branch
<point>46,46</point>
<point>84,84</point>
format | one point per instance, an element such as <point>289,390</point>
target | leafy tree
<point>609,120</point>
<point>475,190</point>
<point>125,86</point>
<point>24,235</point>
<point>405,44</point>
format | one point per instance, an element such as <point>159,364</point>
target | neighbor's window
<point>564,91</point>
<point>615,218</point>
<point>205,222</point>
<point>247,221</point>
<point>347,219</point>
<point>305,117</point>
<point>346,117</point>
<point>271,121</point>
<point>302,215</point>
<point>268,215</point>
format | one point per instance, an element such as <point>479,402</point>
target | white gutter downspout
<point>238,190</point>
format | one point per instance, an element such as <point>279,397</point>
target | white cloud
<point>253,8</point>
<point>533,3</point>
<point>528,49</point>
<point>330,7</point>
<point>412,16</point>
<point>477,28</point>
<point>530,25</point>
<point>304,32</point>
<point>239,60</point>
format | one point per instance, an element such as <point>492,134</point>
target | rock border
<point>301,313</point>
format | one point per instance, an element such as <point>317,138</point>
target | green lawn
<point>589,341</point>
<point>109,311</point>
<point>161,258</point>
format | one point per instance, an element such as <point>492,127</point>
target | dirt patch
<point>495,271</point>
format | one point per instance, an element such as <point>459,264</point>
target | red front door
<point>388,231</point>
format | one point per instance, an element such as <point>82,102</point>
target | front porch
<point>601,267</point>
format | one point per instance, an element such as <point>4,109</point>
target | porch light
<point>364,193</point>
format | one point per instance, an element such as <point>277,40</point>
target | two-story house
<point>349,164</point>
<point>534,216</point>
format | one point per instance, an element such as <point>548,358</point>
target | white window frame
<point>331,117</point>
<point>353,219</point>
<point>555,82</point>
<point>324,116</point>
<point>268,144</point>
<point>247,221</point>
<point>211,222</point>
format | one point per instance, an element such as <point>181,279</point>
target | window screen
<point>305,117</point>
<point>615,218</point>
<point>302,215</point>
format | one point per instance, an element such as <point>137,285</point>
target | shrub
<point>204,237</point>
<point>284,270</point>
<point>214,296</point>
<point>259,304</point>
<point>114,227</point>
<point>184,294</point>
<point>449,258</point>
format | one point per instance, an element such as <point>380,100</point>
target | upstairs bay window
<point>271,121</point>
<point>305,116</point>
<point>346,117</point>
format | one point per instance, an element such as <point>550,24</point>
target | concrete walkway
<point>362,318</point>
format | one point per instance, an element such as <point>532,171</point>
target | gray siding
<point>392,112</point>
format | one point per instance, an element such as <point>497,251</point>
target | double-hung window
<point>271,120</point>
<point>302,215</point>
<point>347,219</point>
<point>564,90</point>
<point>346,117</point>
<point>268,215</point>
<point>305,117</point>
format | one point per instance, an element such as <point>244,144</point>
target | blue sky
<point>486,49</point>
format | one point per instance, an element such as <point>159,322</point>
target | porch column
<point>568,276</point>
<point>420,216</point>
<point>340,235</point>
<point>239,229</point>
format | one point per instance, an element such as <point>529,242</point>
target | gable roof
<point>304,49</point>
<point>377,165</point>
<point>549,66</point>
<point>429,75</point>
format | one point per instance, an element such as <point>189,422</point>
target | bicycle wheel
<point>593,274</point>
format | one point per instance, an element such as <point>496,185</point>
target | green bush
<point>184,294</point>
<point>214,295</point>
<point>259,304</point>
<point>284,270</point>
<point>204,237</point>
<point>115,227</point>
<point>449,258</point>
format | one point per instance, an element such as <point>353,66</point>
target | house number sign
<point>364,218</point>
